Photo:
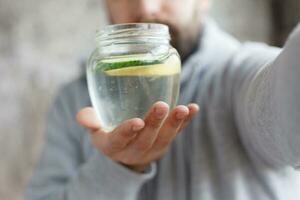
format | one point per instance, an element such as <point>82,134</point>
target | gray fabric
<point>243,145</point>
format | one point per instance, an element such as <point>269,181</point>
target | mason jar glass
<point>132,67</point>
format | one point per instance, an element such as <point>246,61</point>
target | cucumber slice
<point>105,66</point>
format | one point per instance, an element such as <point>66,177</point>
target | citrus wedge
<point>169,67</point>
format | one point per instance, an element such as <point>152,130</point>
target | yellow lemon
<point>171,66</point>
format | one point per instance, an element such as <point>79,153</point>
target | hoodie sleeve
<point>267,104</point>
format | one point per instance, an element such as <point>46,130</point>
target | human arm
<point>267,107</point>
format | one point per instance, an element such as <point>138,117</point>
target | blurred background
<point>42,46</point>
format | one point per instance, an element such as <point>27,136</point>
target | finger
<point>170,127</point>
<point>193,109</point>
<point>153,121</point>
<point>123,134</point>
<point>87,118</point>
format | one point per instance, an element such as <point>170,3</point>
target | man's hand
<point>136,143</point>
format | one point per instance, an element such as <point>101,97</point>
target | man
<point>244,144</point>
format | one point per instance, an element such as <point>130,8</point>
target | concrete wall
<point>41,43</point>
<point>247,20</point>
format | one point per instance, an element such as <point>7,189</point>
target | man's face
<point>182,16</point>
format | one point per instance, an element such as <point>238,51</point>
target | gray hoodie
<point>243,145</point>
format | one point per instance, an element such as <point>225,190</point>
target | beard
<point>183,38</point>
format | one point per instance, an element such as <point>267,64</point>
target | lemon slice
<point>170,66</point>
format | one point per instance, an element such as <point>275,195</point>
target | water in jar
<point>126,87</point>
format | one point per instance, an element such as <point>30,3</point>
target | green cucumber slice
<point>105,66</point>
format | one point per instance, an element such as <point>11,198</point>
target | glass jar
<point>132,67</point>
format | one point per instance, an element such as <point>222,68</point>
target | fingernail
<point>137,128</point>
<point>196,105</point>
<point>160,113</point>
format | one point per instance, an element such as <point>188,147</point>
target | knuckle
<point>111,148</point>
<point>122,131</point>
<point>163,142</point>
<point>154,123</point>
<point>116,145</point>
<point>174,123</point>
<point>126,133</point>
<point>142,145</point>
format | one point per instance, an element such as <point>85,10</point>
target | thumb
<point>87,118</point>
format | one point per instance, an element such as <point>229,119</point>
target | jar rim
<point>150,31</point>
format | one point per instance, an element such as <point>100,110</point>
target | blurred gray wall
<point>41,44</point>
<point>245,19</point>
